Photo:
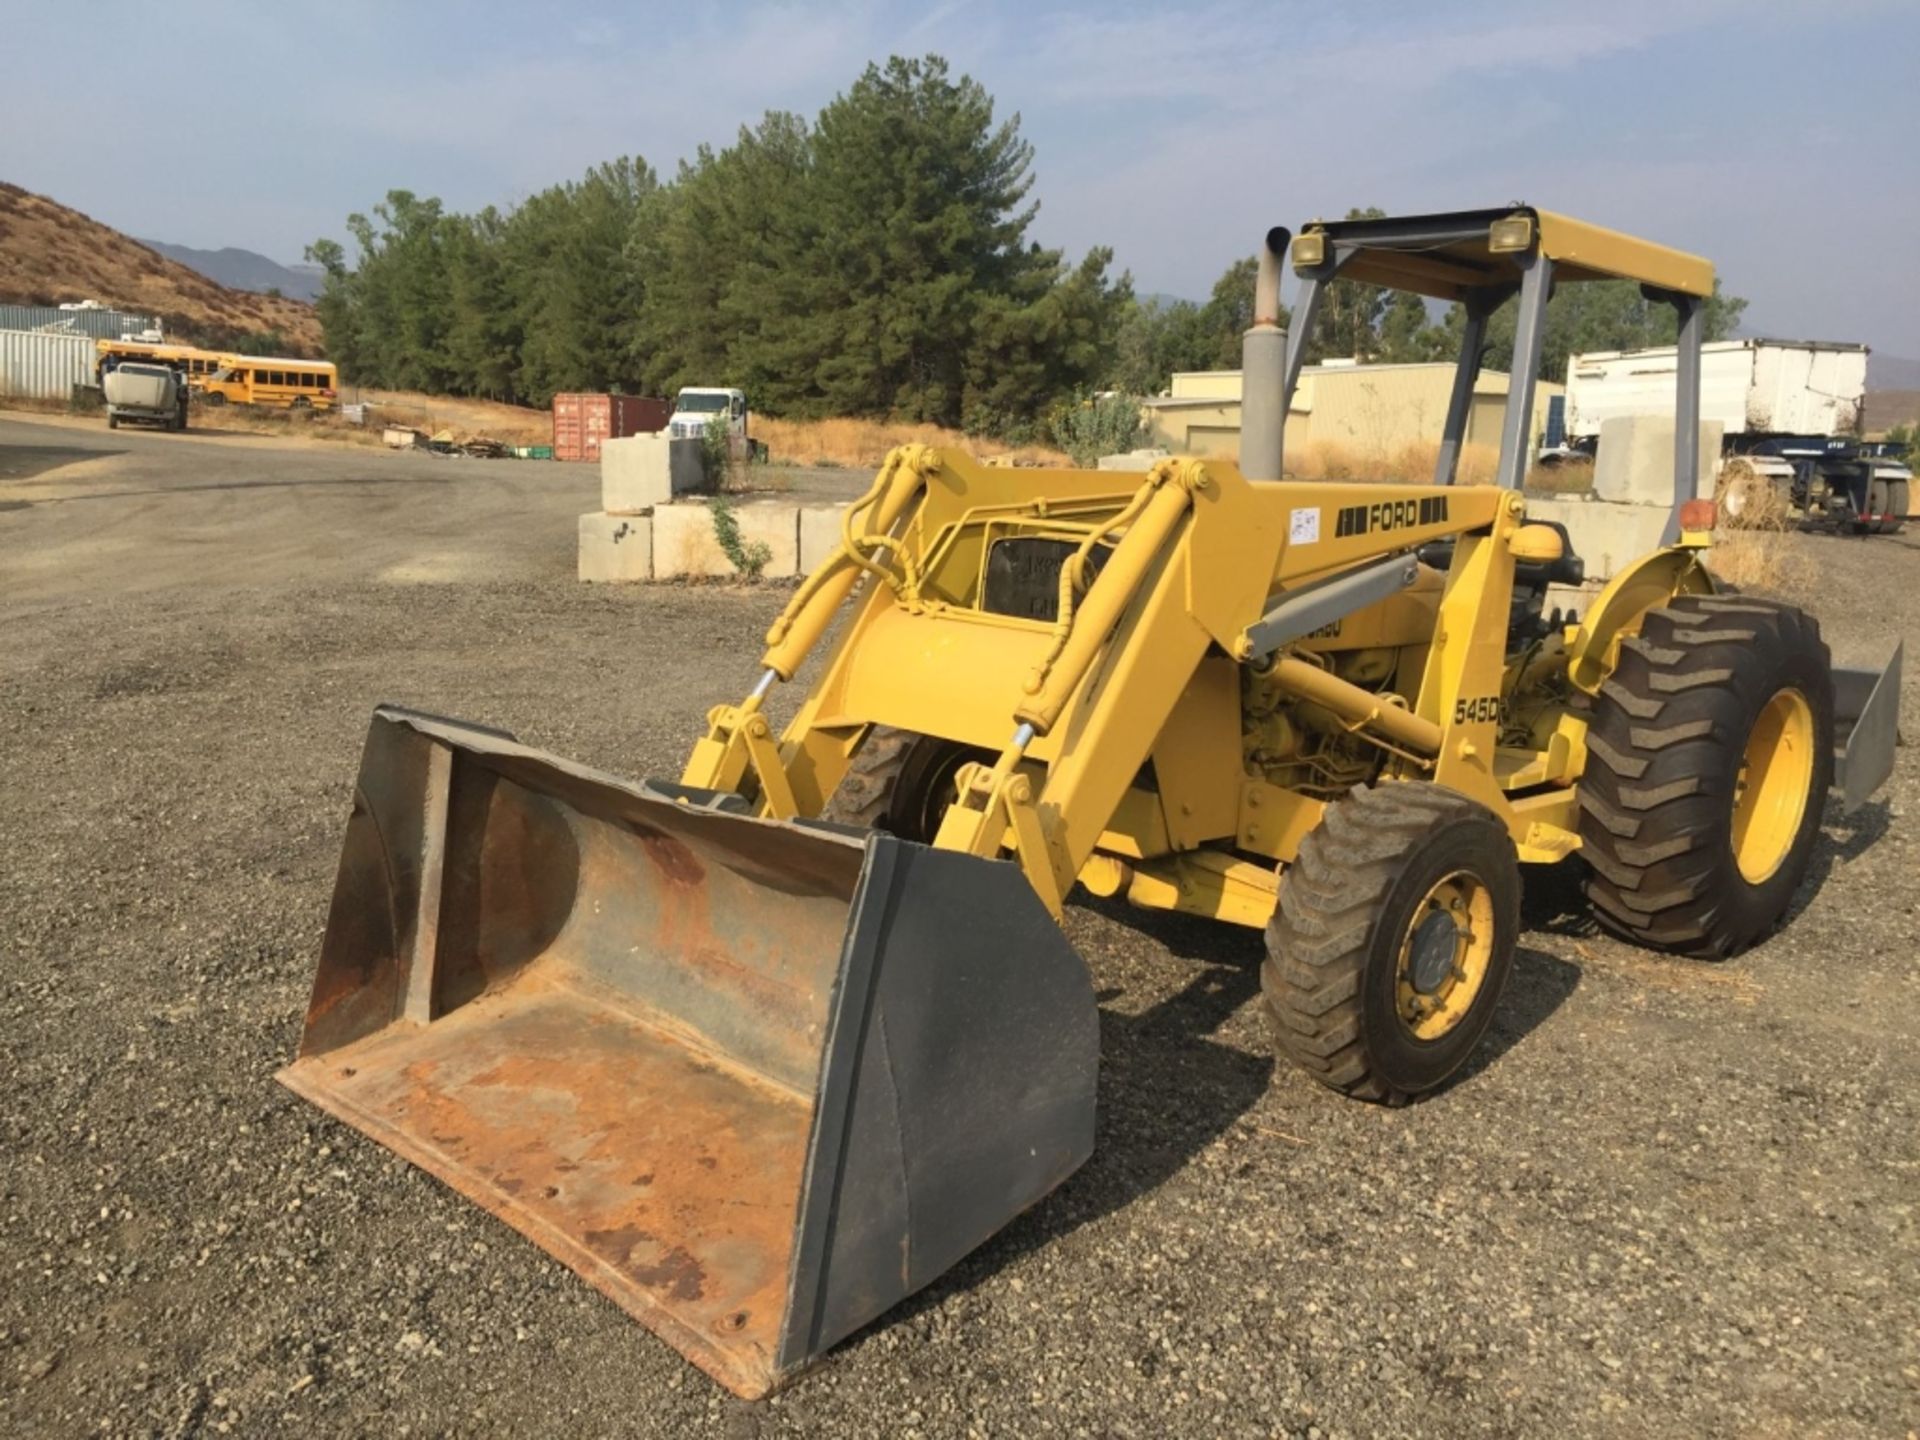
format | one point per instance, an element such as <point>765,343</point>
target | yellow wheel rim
<point>1444,956</point>
<point>1770,796</point>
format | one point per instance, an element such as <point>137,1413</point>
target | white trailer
<point>1752,387</point>
<point>1789,412</point>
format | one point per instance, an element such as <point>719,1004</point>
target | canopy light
<point>1511,234</point>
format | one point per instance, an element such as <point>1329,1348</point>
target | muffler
<point>755,1081</point>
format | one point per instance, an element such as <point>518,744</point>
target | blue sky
<point>1778,139</point>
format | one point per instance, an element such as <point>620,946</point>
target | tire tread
<point>1314,977</point>
<point>1664,740</point>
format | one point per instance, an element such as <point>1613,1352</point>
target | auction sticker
<point>1306,526</point>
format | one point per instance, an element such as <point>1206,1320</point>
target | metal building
<point>94,324</point>
<point>35,365</point>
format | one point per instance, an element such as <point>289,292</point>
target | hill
<point>246,270</point>
<point>1888,408</point>
<point>1892,372</point>
<point>50,254</point>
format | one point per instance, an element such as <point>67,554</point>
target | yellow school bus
<point>192,362</point>
<point>270,381</point>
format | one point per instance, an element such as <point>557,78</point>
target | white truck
<point>1789,411</point>
<point>149,394</point>
<point>695,407</point>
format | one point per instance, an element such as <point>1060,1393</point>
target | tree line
<point>873,261</point>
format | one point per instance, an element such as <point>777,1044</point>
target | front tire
<point>899,781</point>
<point>1709,757</point>
<point>1392,940</point>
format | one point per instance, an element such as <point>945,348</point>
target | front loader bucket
<point>755,1081</point>
<point>1866,724</point>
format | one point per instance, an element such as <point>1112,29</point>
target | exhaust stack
<point>1263,369</point>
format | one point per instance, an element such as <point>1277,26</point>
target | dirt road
<point>1669,1199</point>
<point>155,511</point>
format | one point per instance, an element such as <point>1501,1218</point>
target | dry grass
<point>853,444</point>
<point>863,444</point>
<point>1759,553</point>
<point>287,424</point>
<point>1409,464</point>
<point>1749,500</point>
<point>1764,560</point>
<point>38,406</point>
<point>50,254</point>
<point>468,419</point>
<point>1569,477</point>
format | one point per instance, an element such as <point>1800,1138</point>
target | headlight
<point>1511,234</point>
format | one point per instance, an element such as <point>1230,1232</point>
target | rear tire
<point>899,781</point>
<point>1895,511</point>
<point>1709,757</point>
<point>1392,940</point>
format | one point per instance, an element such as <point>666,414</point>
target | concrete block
<point>1572,599</point>
<point>638,472</point>
<point>684,542</point>
<point>819,534</point>
<point>1607,535</point>
<point>1132,460</point>
<point>616,548</point>
<point>1635,462</point>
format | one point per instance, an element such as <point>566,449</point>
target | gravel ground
<point>1669,1198</point>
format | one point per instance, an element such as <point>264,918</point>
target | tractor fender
<point>1646,584</point>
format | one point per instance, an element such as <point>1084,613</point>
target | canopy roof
<point>1447,256</point>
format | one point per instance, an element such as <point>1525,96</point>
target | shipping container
<point>1752,387</point>
<point>38,366</point>
<point>581,422</point>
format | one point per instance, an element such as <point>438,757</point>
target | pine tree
<point>485,337</point>
<point>919,202</point>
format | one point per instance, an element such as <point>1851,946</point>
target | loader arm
<point>1193,550</point>
<point>1074,705</point>
<point>1119,671</point>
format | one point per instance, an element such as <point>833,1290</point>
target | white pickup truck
<point>695,407</point>
<point>151,394</point>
